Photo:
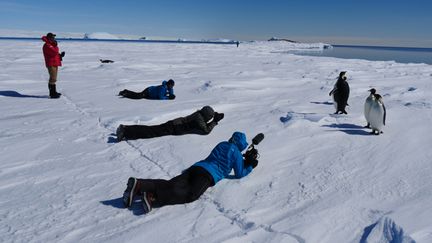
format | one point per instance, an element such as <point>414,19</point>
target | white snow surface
<point>321,177</point>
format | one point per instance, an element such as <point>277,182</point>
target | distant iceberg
<point>219,40</point>
<point>100,36</point>
<point>299,45</point>
<point>288,47</point>
<point>282,39</point>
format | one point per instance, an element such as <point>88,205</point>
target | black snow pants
<point>135,95</point>
<point>184,188</point>
<point>141,131</point>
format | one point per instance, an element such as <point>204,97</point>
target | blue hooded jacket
<point>225,157</point>
<point>160,92</point>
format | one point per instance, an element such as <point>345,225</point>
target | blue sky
<point>397,22</point>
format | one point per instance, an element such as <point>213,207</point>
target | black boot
<point>53,92</point>
<point>131,190</point>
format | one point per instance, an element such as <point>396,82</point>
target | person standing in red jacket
<point>52,61</point>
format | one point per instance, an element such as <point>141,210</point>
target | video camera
<point>251,155</point>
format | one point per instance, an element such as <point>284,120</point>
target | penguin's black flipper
<point>385,113</point>
<point>333,90</point>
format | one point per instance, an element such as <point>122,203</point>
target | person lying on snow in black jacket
<point>200,122</point>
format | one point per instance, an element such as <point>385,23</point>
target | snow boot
<point>122,93</point>
<point>130,191</point>
<point>147,199</point>
<point>53,92</point>
<point>120,133</point>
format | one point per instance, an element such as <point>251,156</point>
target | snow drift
<point>385,231</point>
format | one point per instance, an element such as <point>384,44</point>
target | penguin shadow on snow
<point>11,93</point>
<point>350,129</point>
<point>322,103</point>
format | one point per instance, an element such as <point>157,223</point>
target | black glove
<point>218,116</point>
<point>250,158</point>
<point>62,55</point>
<point>171,97</point>
<point>251,162</point>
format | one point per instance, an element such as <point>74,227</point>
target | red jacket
<point>51,53</point>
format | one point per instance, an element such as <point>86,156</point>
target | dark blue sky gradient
<point>394,22</point>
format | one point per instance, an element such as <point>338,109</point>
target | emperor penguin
<point>377,114</point>
<point>368,105</point>
<point>340,93</point>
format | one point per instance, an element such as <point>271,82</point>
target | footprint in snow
<point>205,87</point>
<point>418,104</point>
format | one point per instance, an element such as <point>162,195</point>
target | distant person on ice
<point>200,122</point>
<point>340,94</point>
<point>52,61</point>
<point>161,92</point>
<point>194,181</point>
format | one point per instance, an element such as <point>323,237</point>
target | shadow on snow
<point>350,129</point>
<point>136,208</point>
<point>11,93</point>
<point>321,103</point>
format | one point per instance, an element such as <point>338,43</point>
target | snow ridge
<point>385,231</point>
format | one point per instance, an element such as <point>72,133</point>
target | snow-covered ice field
<point>321,177</point>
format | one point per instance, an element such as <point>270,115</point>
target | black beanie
<point>170,82</point>
<point>207,112</point>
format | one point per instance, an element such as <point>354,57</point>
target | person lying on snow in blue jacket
<point>194,181</point>
<point>160,92</point>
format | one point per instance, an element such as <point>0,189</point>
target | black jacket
<point>192,124</point>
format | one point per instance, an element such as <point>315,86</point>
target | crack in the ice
<point>148,158</point>
<point>99,123</point>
